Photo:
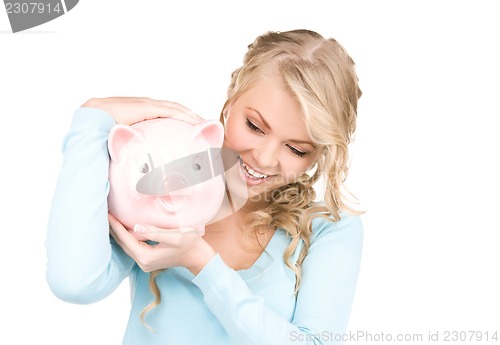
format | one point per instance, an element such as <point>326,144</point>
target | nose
<point>267,155</point>
<point>175,182</point>
<point>159,183</point>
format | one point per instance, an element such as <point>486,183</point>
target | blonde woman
<point>280,270</point>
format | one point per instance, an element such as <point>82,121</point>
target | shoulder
<point>349,227</point>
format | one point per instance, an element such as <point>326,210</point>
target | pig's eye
<point>143,167</point>
<point>196,164</point>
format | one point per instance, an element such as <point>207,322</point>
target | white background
<point>424,164</point>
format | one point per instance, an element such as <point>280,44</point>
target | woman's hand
<point>176,247</point>
<point>130,110</point>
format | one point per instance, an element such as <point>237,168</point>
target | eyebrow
<point>266,124</point>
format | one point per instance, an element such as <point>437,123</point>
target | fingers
<point>121,235</point>
<point>115,225</point>
<point>177,106</point>
<point>130,110</point>
<point>175,111</point>
<point>174,247</point>
<point>148,108</point>
<point>164,236</point>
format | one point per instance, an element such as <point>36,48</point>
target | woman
<point>280,270</point>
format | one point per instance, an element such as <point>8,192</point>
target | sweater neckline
<point>264,261</point>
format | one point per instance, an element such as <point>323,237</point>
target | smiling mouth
<point>252,173</point>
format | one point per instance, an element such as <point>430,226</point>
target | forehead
<point>269,97</point>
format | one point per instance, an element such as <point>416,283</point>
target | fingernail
<point>140,228</point>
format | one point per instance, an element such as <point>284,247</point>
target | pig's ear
<point>119,137</point>
<point>211,131</point>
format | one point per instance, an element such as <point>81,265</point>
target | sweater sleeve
<point>83,264</point>
<point>324,301</point>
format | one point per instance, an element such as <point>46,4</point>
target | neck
<point>229,218</point>
<point>239,246</point>
<point>226,219</point>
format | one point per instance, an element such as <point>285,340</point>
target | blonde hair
<point>320,74</point>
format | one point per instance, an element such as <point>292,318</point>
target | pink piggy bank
<point>166,173</point>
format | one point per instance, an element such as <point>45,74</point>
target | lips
<point>251,175</point>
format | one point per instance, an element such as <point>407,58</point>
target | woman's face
<point>266,128</point>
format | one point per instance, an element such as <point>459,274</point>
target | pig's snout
<point>177,192</point>
<point>176,184</point>
<point>160,183</point>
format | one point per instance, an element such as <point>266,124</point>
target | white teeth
<point>253,173</point>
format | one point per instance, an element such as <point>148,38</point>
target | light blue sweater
<point>219,305</point>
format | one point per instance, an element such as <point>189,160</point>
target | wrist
<point>203,254</point>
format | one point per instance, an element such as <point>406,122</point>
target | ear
<point>211,131</point>
<point>119,137</point>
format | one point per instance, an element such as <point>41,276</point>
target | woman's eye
<point>297,152</point>
<point>253,127</point>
